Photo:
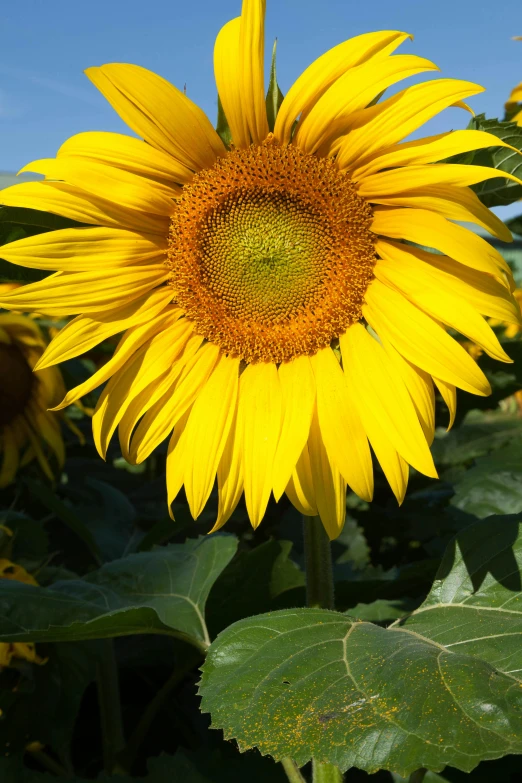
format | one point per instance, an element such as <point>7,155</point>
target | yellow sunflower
<point>275,324</point>
<point>27,429</point>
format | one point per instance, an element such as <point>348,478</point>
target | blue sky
<point>45,97</point>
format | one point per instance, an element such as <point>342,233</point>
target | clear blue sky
<point>46,44</point>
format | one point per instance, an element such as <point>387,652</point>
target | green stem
<point>326,773</point>
<point>292,771</point>
<point>110,705</point>
<point>127,757</point>
<point>319,595</point>
<point>318,565</point>
<point>417,776</point>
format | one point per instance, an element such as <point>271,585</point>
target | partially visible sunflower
<point>275,324</point>
<point>28,430</point>
<point>515,99</point>
<point>17,650</point>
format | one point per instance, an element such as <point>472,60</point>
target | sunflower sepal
<point>274,96</point>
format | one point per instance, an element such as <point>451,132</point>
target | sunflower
<point>278,315</point>
<point>27,429</point>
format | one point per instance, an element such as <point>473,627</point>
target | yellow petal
<point>227,66</point>
<point>260,417</point>
<point>341,429</point>
<point>66,293</point>
<point>158,112</point>
<point>427,228</point>
<point>84,249</point>
<point>146,366</point>
<point>324,71</point>
<point>252,71</point>
<point>399,180</point>
<point>157,423</point>
<point>452,203</point>
<point>441,303</point>
<point>300,488</point>
<point>149,396</point>
<point>399,116</point>
<point>175,460</point>
<point>131,341</point>
<point>298,396</point>
<point>102,181</point>
<point>482,291</point>
<point>230,475</point>
<point>448,393</point>
<point>421,340</point>
<point>428,150</point>
<point>83,333</point>
<point>128,153</point>
<point>382,398</point>
<point>66,200</point>
<point>329,485</point>
<point>353,91</point>
<point>420,387</point>
<point>207,432</point>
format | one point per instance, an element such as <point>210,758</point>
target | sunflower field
<point>261,431</point>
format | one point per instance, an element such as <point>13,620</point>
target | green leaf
<point>163,591</point>
<point>479,434</point>
<point>383,610</point>
<point>438,688</point>
<point>251,582</point>
<point>35,220</point>
<point>515,225</point>
<point>222,127</point>
<point>498,192</point>
<point>65,514</point>
<point>493,485</point>
<point>274,96</point>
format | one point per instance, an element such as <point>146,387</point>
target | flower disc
<point>271,252</point>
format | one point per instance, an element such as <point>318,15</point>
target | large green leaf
<point>439,688</point>
<point>515,225</point>
<point>162,591</point>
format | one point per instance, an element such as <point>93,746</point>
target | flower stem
<point>326,773</point>
<point>292,771</point>
<point>318,565</point>
<point>110,705</point>
<point>319,595</point>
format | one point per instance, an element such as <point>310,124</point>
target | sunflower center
<point>17,382</point>
<point>271,252</point>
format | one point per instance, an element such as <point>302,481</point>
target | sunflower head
<point>281,317</point>
<point>27,429</point>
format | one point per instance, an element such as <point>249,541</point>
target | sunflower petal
<point>260,402</point>
<point>448,393</point>
<point>324,71</point>
<point>66,293</point>
<point>230,475</point>
<point>207,432</point>
<point>158,112</point>
<point>300,488</point>
<point>399,116</point>
<point>127,153</point>
<point>329,485</point>
<point>399,180</point>
<point>426,228</point>
<point>381,396</point>
<point>341,430</point>
<point>227,65</point>
<point>352,92</point>
<point>102,181</point>
<point>421,340</point>
<point>66,200</point>
<point>298,396</point>
<point>84,249</point>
